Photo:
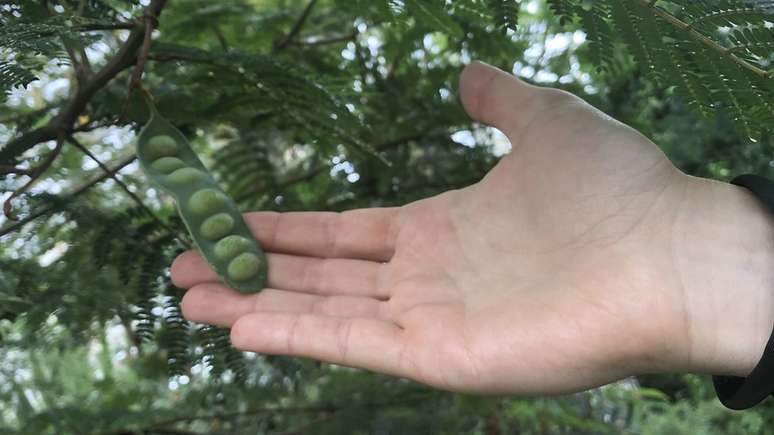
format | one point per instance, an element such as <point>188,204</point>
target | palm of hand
<point>524,282</point>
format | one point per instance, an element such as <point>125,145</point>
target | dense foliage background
<point>315,105</point>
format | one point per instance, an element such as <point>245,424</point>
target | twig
<point>125,188</point>
<point>109,26</point>
<point>34,177</point>
<point>704,40</point>
<point>294,31</point>
<point>80,73</point>
<point>151,21</point>
<point>221,38</point>
<point>62,123</point>
<point>76,192</point>
<point>10,169</point>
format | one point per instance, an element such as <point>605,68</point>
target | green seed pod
<point>217,226</point>
<point>244,266</point>
<point>210,215</point>
<point>165,165</point>
<point>185,176</point>
<point>161,146</point>
<point>207,201</point>
<point>231,246</point>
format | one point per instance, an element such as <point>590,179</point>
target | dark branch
<point>78,191</point>
<point>10,169</point>
<point>110,26</point>
<point>221,38</point>
<point>151,20</point>
<point>62,123</point>
<point>296,29</point>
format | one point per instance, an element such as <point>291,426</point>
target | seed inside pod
<point>207,201</point>
<point>215,227</point>
<point>161,146</point>
<point>166,165</point>
<point>231,246</point>
<point>244,266</point>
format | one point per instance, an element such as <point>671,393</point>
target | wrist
<point>723,245</point>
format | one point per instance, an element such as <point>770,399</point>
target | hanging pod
<point>211,216</point>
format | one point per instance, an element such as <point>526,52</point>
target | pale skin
<point>583,257</point>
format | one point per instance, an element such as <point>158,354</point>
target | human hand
<point>575,262</point>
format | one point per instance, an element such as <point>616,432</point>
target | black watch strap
<point>742,393</point>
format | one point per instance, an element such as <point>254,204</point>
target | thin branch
<point>221,38</point>
<point>80,72</point>
<point>102,26</point>
<point>62,123</point>
<point>296,29</point>
<point>76,192</point>
<point>151,20</point>
<point>125,188</point>
<point>704,40</point>
<point>85,60</point>
<point>9,169</point>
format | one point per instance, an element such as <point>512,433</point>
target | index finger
<point>367,234</point>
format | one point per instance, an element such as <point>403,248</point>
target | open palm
<point>538,279</point>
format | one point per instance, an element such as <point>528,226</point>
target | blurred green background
<point>299,105</point>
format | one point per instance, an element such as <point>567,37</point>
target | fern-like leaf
<point>564,10</point>
<point>505,12</point>
<point>595,20</point>
<point>13,75</point>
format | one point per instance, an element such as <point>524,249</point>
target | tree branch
<point>296,29</point>
<point>62,123</point>
<point>221,38</point>
<point>99,26</point>
<point>78,191</point>
<point>151,20</point>
<point>9,169</point>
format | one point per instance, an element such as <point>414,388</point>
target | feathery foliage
<point>297,105</point>
<point>717,55</point>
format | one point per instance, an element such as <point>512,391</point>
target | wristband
<point>742,393</point>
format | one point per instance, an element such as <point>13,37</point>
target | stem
<point>221,38</point>
<point>296,29</point>
<point>151,19</point>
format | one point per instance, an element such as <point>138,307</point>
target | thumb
<point>494,97</point>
